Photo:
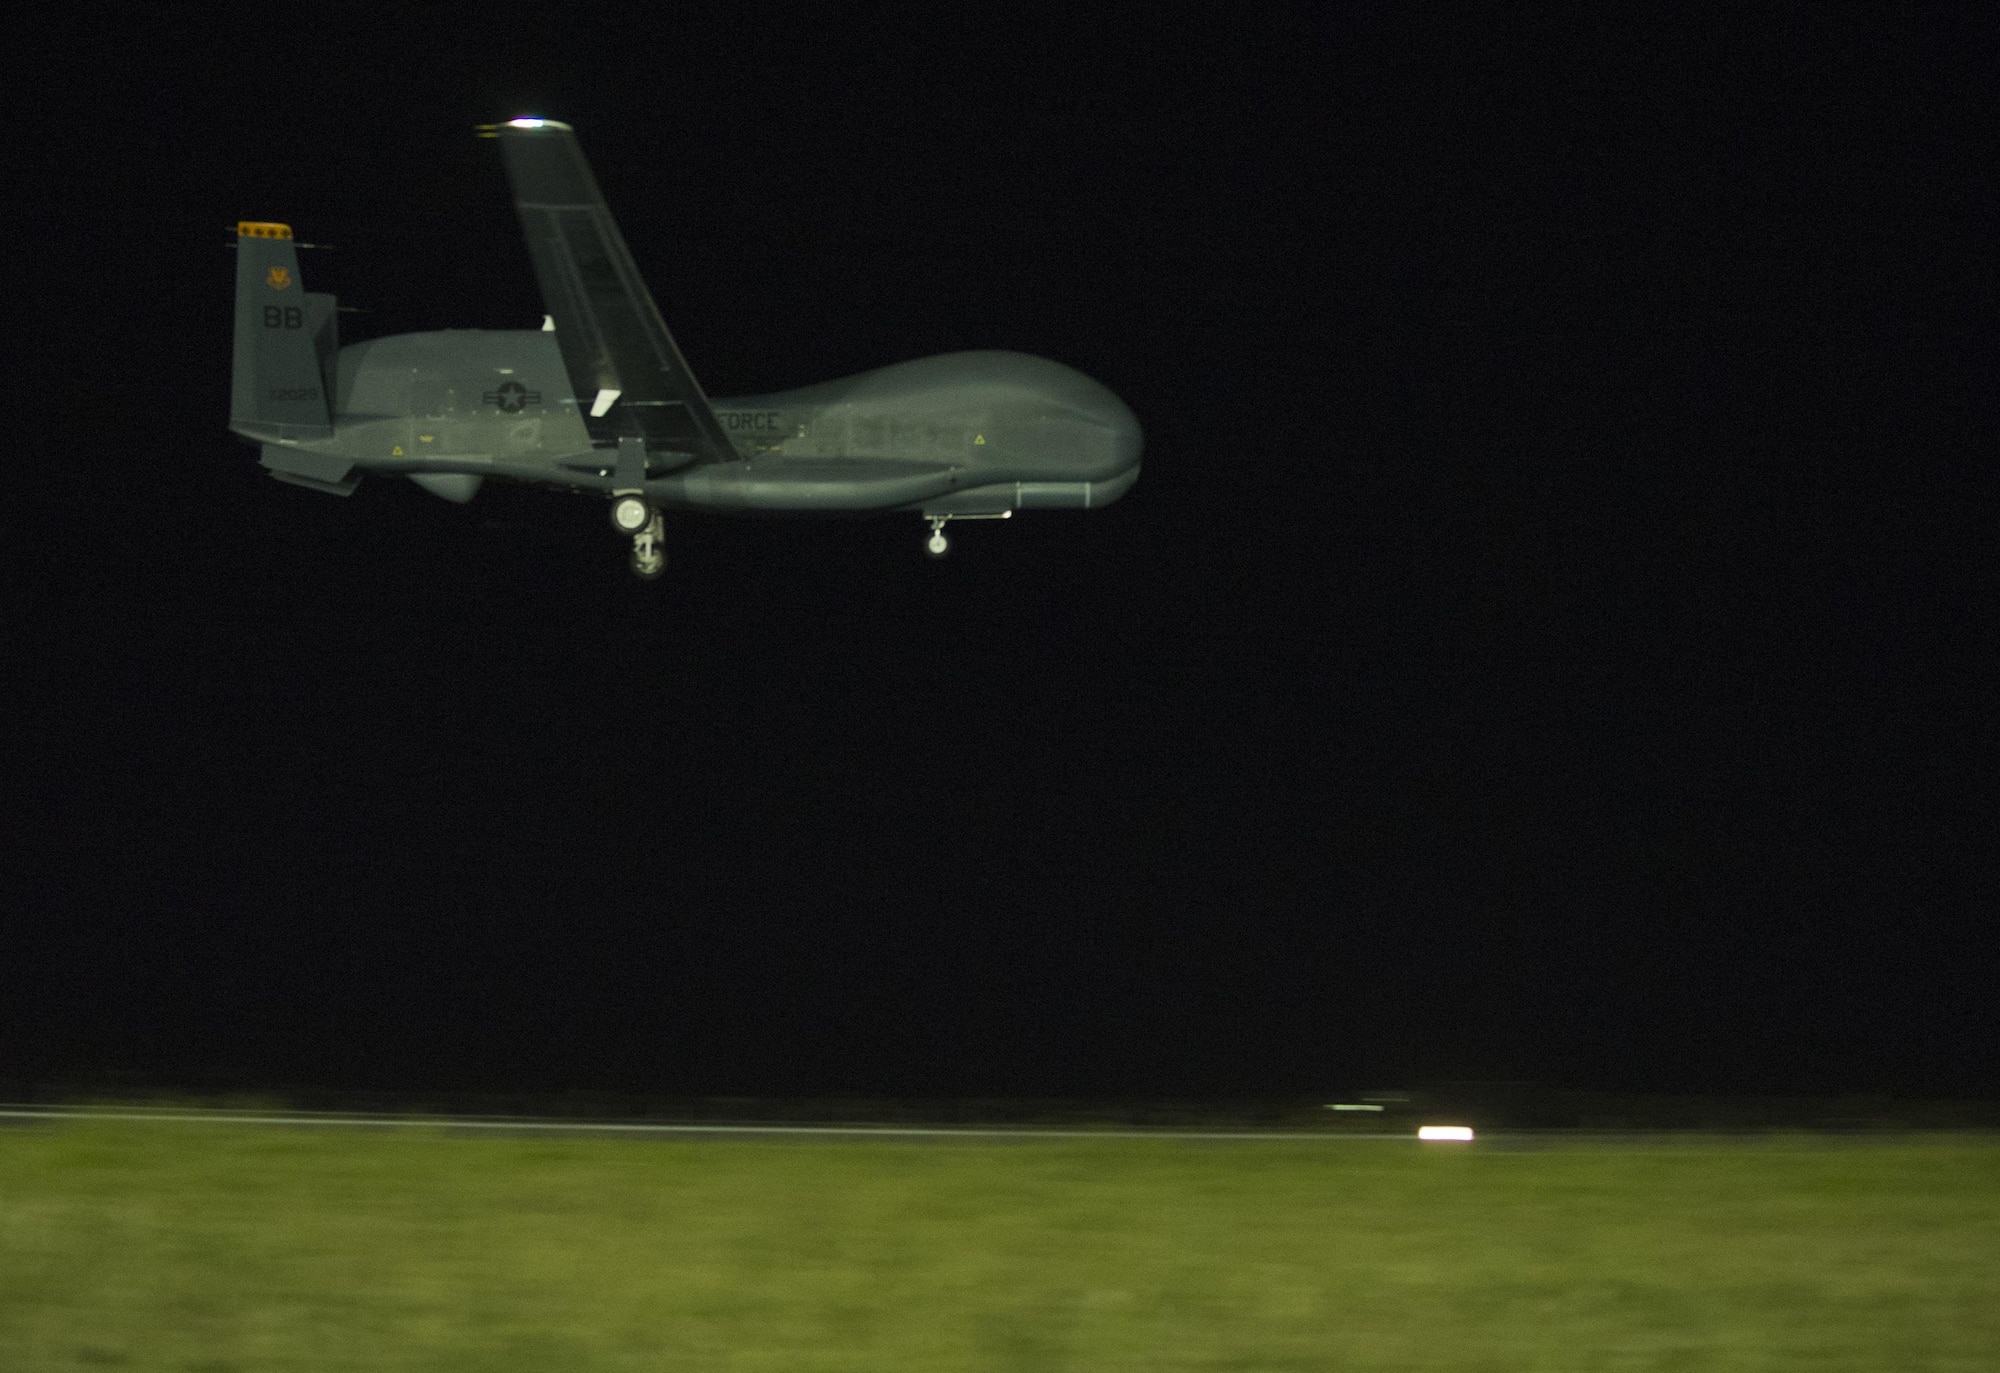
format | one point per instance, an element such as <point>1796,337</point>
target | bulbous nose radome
<point>1101,407</point>
<point>1127,439</point>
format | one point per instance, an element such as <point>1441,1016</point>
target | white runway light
<point>1461,1132</point>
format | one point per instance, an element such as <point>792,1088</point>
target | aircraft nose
<point>1128,441</point>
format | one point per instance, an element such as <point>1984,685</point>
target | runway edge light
<point>1458,1132</point>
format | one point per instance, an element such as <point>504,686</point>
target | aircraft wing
<point>630,379</point>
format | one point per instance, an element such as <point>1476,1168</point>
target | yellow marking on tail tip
<point>251,228</point>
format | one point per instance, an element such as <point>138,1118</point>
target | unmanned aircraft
<point>600,400</point>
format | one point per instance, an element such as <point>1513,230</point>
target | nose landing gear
<point>937,543</point>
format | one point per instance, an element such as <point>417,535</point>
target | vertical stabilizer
<point>287,344</point>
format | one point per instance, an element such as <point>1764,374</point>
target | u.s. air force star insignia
<point>278,278</point>
<point>511,396</point>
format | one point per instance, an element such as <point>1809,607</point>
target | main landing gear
<point>630,514</point>
<point>635,515</point>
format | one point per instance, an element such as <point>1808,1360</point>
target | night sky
<point>1552,637</point>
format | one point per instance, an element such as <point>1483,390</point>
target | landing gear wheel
<point>630,514</point>
<point>938,543</point>
<point>649,553</point>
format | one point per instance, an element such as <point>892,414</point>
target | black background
<point>1551,639</point>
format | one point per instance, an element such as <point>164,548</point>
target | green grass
<point>210,1247</point>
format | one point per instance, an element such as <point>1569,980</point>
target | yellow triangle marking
<point>979,438</point>
<point>397,451</point>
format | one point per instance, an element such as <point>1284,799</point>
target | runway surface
<point>520,1125</point>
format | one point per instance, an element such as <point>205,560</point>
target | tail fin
<point>287,342</point>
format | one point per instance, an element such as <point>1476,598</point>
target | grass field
<point>210,1247</point>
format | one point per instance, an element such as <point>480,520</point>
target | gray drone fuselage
<point>600,399</point>
<point>961,433</point>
